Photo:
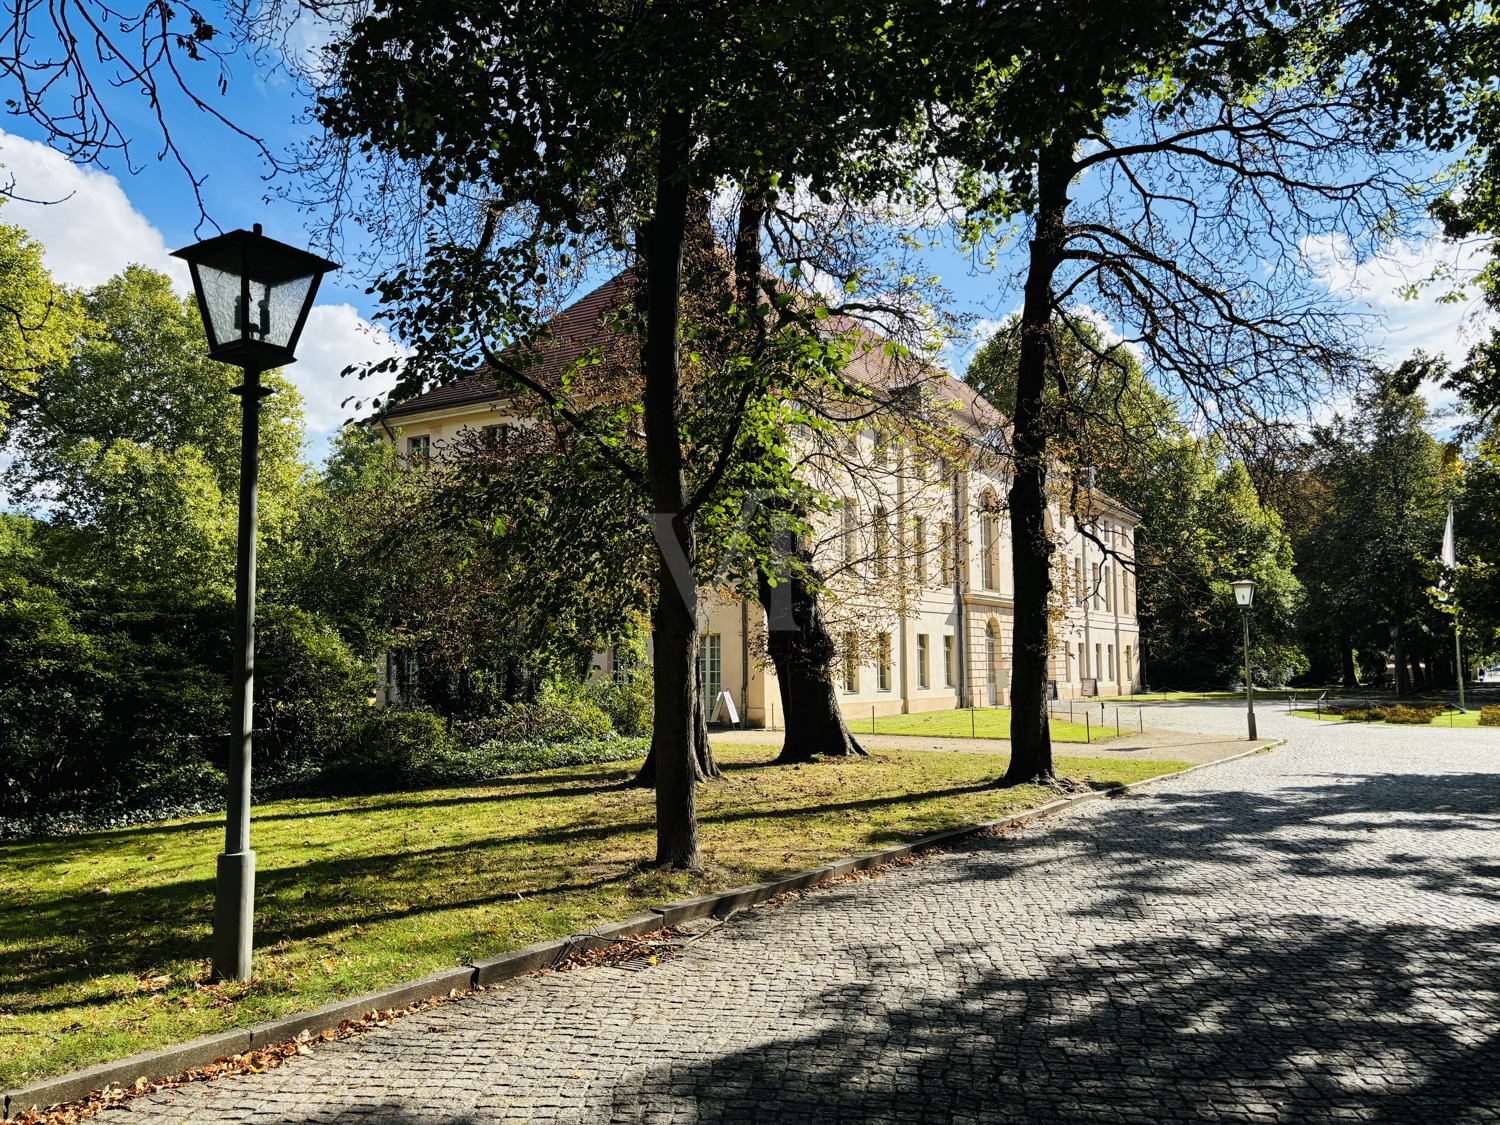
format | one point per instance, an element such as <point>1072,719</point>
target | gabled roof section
<point>582,326</point>
<point>576,329</point>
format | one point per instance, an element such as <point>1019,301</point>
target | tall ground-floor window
<point>710,670</point>
<point>921,660</point>
<point>883,661</point>
<point>948,660</point>
<point>1129,670</point>
<point>851,662</point>
<point>1113,671</point>
<point>992,664</point>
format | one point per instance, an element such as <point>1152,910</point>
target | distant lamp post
<point>1244,597</point>
<point>254,294</point>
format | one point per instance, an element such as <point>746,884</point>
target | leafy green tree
<point>1202,526</point>
<point>601,128</point>
<point>1212,283</point>
<point>39,321</point>
<point>132,440</point>
<point>1368,563</point>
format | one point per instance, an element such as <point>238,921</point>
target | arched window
<point>992,663</point>
<point>989,541</point>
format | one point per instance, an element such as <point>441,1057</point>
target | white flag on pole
<point>1448,557</point>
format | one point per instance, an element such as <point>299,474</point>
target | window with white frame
<point>948,660</point>
<point>989,543</point>
<point>921,660</point>
<point>883,662</point>
<point>710,670</point>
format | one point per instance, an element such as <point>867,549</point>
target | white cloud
<point>335,337</point>
<point>93,232</point>
<point>88,226</point>
<point>1377,286</point>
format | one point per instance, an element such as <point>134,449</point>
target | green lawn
<point>1209,696</point>
<point>981,722</point>
<point>104,937</point>
<point>1450,719</point>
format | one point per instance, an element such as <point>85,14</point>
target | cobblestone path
<point>1307,935</point>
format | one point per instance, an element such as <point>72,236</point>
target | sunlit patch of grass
<point>104,937</point>
<point>979,722</point>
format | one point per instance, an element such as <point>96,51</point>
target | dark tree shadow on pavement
<point>1233,1008</point>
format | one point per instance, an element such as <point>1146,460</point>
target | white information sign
<point>724,705</point>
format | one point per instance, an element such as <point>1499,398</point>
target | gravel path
<point>1307,935</point>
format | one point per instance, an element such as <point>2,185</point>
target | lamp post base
<point>234,907</point>
<point>1253,735</point>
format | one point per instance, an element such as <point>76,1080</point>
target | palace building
<point>915,550</point>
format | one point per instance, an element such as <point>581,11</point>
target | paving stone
<point>1231,945</point>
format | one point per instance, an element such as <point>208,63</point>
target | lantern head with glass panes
<point>1244,592</point>
<point>254,294</point>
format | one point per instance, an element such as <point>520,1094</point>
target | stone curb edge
<point>519,962</point>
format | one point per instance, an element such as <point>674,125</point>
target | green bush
<point>109,702</point>
<point>629,702</point>
<point>388,750</point>
<point>1489,716</point>
<point>1410,716</point>
<point>552,718</point>
<point>1360,714</point>
<point>311,690</point>
<point>500,759</point>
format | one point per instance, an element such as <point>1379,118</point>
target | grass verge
<point>1211,696</point>
<point>1450,719</point>
<point>980,722</point>
<point>104,937</point>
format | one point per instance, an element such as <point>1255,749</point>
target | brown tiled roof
<point>574,330</point>
<point>578,328</point>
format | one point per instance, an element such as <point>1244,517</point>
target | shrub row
<point>393,749</point>
<point>1489,716</point>
<point>1392,713</point>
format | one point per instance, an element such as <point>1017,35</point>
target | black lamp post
<point>1244,597</point>
<point>254,294</point>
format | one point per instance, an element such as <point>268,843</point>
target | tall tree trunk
<point>803,651</point>
<point>1346,656</point>
<point>1031,555</point>
<point>676,616</point>
<point>704,766</point>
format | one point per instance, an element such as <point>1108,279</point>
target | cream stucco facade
<point>924,616</point>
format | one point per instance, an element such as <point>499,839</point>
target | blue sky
<point>104,218</point>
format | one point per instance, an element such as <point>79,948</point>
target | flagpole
<point>1458,650</point>
<point>1449,560</point>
